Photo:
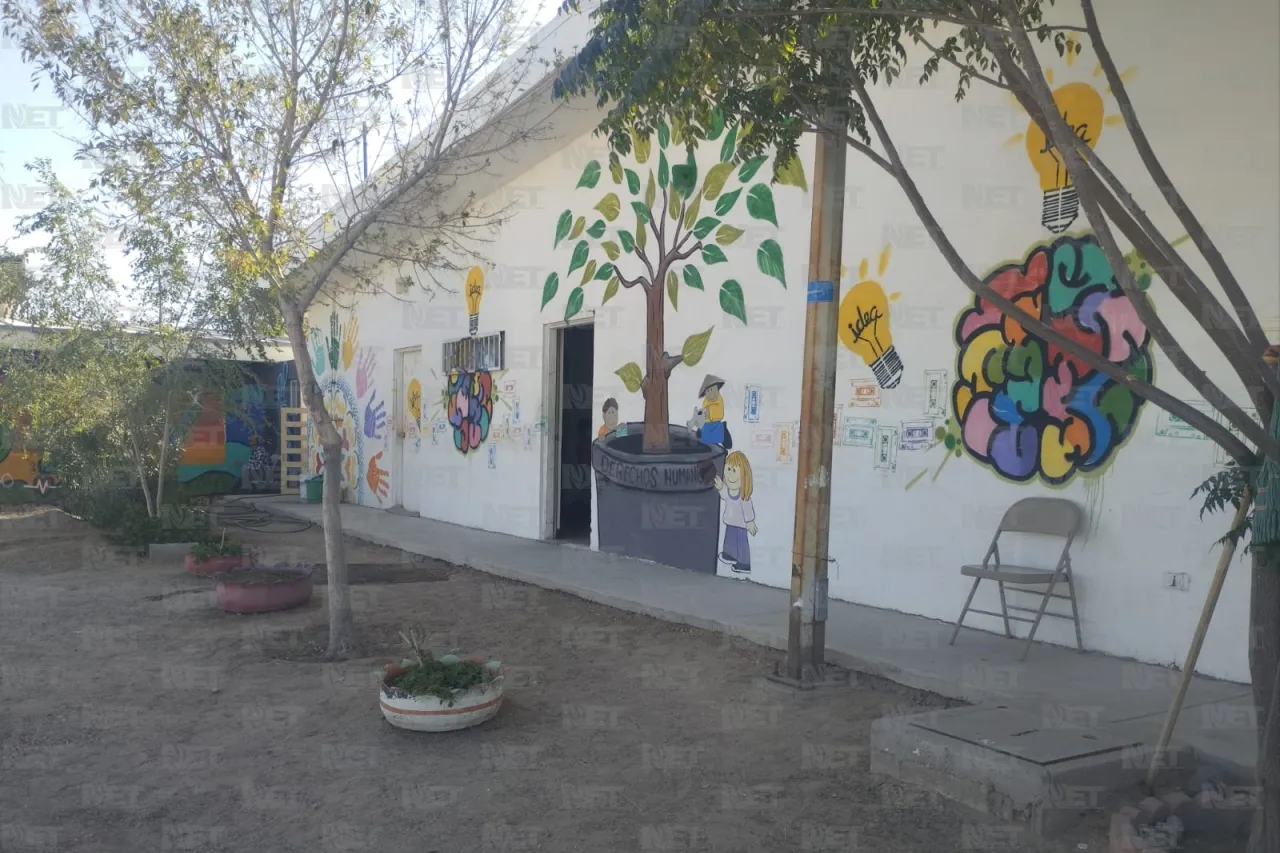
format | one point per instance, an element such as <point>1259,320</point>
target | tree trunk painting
<point>655,477</point>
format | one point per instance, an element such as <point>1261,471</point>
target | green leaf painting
<point>729,146</point>
<point>760,203</point>
<point>792,174</point>
<point>727,235</point>
<point>615,167</point>
<point>705,226</point>
<point>628,242</point>
<point>603,273</point>
<point>590,175</point>
<point>588,271</point>
<point>716,126</point>
<point>562,227</point>
<point>685,177</point>
<point>611,249</point>
<point>695,346</point>
<point>664,134</point>
<point>633,181</point>
<point>769,260</point>
<point>580,253</point>
<point>630,375</point>
<point>673,288</point>
<point>650,192</point>
<point>731,300</point>
<point>574,305</point>
<point>713,255</point>
<point>643,213</point>
<point>749,169</point>
<point>597,229</point>
<point>549,288</point>
<point>578,225</point>
<point>609,206</point>
<point>726,202</point>
<point>716,177</point>
<point>691,213</point>
<point>663,173</point>
<point>692,278</point>
<point>610,290</point>
<point>640,146</point>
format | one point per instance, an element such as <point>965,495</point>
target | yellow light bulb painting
<point>474,292</point>
<point>1081,106</point>
<point>864,324</point>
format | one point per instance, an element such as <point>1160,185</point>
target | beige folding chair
<point>1048,516</point>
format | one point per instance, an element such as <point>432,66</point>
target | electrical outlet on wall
<point>1180,581</point>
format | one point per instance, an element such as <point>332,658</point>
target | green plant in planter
<point>444,677</point>
<point>210,549</point>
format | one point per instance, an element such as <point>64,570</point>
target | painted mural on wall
<point>1082,107</point>
<point>735,488</point>
<point>864,324</point>
<point>345,372</point>
<point>469,397</point>
<point>1027,409</point>
<point>662,229</point>
<point>24,476</point>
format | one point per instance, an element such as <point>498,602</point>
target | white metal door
<point>407,482</point>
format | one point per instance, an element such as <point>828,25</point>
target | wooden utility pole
<point>806,644</point>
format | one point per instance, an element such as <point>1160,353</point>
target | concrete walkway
<point>1059,686</point>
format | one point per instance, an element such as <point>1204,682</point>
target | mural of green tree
<point>665,233</point>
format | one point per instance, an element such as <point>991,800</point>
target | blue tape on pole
<point>822,291</point>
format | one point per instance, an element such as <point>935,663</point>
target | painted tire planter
<point>215,565</point>
<point>263,590</point>
<point>659,506</point>
<point>431,714</point>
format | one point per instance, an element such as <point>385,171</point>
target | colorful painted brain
<point>1026,407</point>
<point>470,408</point>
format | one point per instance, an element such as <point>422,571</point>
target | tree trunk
<point>657,438</point>
<point>341,623</point>
<point>1264,667</point>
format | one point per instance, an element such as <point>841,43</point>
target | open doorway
<point>576,369</point>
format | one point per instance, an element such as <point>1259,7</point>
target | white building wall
<point>897,536</point>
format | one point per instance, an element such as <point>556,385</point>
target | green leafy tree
<point>668,235</point>
<point>330,146</point>
<point>791,68</point>
<point>107,384</point>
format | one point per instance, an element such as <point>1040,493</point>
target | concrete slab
<point>1062,718</point>
<point>1039,779</point>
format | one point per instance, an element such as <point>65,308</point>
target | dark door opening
<point>577,371</point>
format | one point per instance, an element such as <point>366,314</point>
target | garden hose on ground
<point>232,512</point>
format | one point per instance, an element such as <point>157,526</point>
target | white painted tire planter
<point>431,714</point>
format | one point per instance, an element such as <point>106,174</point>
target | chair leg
<point>1075,614</point>
<point>967,602</point>
<point>1004,611</point>
<point>1044,603</point>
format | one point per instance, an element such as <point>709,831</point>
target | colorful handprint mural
<point>346,373</point>
<point>1026,408</point>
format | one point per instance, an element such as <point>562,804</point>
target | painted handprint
<point>377,478</point>
<point>349,344</point>
<point>375,418</point>
<point>367,364</point>
<point>318,357</point>
<point>335,339</point>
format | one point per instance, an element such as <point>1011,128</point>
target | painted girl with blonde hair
<point>739,515</point>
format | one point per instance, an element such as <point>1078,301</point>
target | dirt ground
<point>135,716</point>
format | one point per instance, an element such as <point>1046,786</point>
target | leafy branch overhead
<point>662,229</point>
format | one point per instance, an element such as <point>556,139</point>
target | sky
<point>33,124</point>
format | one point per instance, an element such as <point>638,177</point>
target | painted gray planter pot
<point>660,507</point>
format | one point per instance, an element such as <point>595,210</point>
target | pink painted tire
<point>215,565</point>
<point>236,595</point>
<point>430,714</point>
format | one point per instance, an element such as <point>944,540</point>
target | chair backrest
<point>1052,516</point>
